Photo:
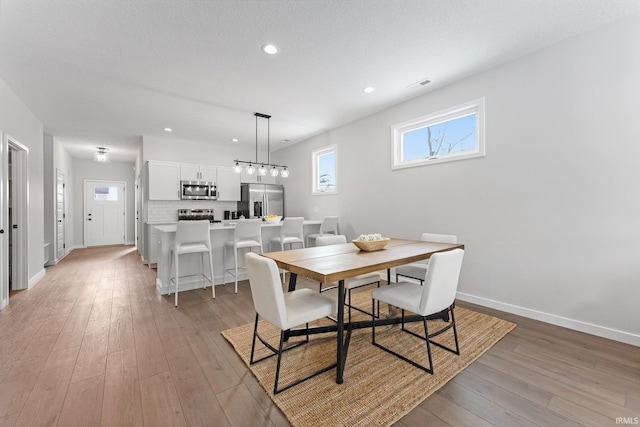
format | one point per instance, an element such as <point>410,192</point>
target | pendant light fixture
<point>264,167</point>
<point>101,155</point>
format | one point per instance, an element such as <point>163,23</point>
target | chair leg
<point>275,384</point>
<point>253,344</point>
<point>426,334</point>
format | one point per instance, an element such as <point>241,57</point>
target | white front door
<point>60,245</point>
<point>104,216</point>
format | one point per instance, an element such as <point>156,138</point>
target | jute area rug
<point>378,388</point>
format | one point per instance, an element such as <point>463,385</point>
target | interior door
<point>104,213</point>
<point>60,216</point>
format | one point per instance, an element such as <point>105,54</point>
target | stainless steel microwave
<point>198,190</point>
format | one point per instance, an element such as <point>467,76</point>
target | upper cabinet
<point>163,180</point>
<point>255,178</point>
<point>189,172</point>
<point>228,183</point>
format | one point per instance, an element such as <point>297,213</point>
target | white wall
<point>114,171</point>
<point>19,122</point>
<point>201,152</point>
<point>550,217</point>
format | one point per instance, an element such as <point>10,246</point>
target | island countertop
<point>220,232</point>
<point>226,225</point>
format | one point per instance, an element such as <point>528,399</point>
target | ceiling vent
<point>419,84</point>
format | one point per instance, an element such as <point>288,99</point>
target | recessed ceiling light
<point>168,130</point>
<point>284,141</point>
<point>234,140</point>
<point>368,89</point>
<point>270,49</point>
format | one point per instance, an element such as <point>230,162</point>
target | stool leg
<point>177,276</point>
<point>235,259</point>
<point>204,282</point>
<point>213,286</point>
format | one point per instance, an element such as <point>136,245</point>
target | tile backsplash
<point>161,211</point>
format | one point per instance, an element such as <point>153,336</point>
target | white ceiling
<point>104,73</point>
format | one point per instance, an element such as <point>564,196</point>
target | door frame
<point>84,207</point>
<point>57,255</point>
<point>20,213</point>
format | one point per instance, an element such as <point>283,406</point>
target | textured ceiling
<point>106,72</point>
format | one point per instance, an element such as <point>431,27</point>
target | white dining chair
<point>417,270</point>
<point>247,234</point>
<point>436,296</point>
<point>193,237</point>
<point>283,310</point>
<point>329,225</point>
<point>352,282</point>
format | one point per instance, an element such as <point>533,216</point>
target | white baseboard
<point>35,279</point>
<point>553,319</point>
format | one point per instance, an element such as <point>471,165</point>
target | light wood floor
<point>94,344</point>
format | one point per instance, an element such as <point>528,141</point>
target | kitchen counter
<point>190,264</point>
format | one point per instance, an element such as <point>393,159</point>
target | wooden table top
<point>337,262</point>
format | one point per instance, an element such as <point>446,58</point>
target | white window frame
<point>476,106</point>
<point>315,182</point>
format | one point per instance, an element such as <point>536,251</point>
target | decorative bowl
<point>371,246</point>
<point>275,220</point>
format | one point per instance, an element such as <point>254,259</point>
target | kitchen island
<point>190,264</point>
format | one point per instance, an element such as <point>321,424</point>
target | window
<point>109,194</point>
<point>453,134</point>
<point>324,170</point>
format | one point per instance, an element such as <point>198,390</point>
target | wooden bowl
<point>275,220</point>
<point>375,245</point>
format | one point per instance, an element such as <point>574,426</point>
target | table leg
<point>340,356</point>
<point>293,277</point>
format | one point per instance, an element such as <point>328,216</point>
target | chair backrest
<point>331,240</point>
<point>248,229</point>
<point>441,281</point>
<point>266,289</point>
<point>439,238</point>
<point>292,227</point>
<point>329,225</point>
<point>193,232</point>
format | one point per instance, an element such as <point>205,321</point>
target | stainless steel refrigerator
<point>258,200</point>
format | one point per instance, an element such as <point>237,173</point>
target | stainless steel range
<point>196,214</point>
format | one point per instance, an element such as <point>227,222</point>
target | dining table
<point>335,263</point>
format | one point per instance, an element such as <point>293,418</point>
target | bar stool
<point>291,232</point>
<point>193,237</point>
<point>329,225</point>
<point>247,234</point>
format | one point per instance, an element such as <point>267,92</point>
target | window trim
<point>315,155</point>
<point>476,106</point>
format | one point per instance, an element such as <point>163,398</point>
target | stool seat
<point>192,248</point>
<point>243,243</point>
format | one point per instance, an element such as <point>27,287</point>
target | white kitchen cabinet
<point>193,172</point>
<point>163,180</point>
<point>228,183</point>
<point>152,243</point>
<point>255,178</point>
